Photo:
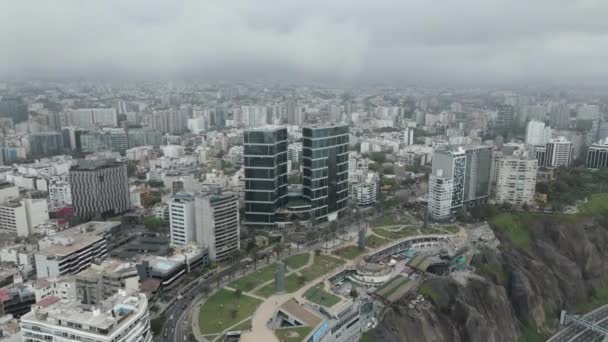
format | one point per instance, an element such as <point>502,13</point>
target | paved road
<point>577,333</point>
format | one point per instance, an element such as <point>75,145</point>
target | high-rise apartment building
<point>99,187</point>
<point>505,116</point>
<point>182,219</point>
<point>325,165</point>
<point>440,195</point>
<point>478,173</point>
<point>265,161</point>
<point>452,164</point>
<point>516,179</point>
<point>92,117</point>
<point>460,176</point>
<point>537,133</point>
<point>558,152</point>
<point>217,221</point>
<point>407,136</point>
<point>597,155</point>
<point>560,116</point>
<point>589,112</point>
<point>123,317</point>
<point>45,144</point>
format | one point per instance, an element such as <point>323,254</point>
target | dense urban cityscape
<point>185,211</point>
<point>303,171</point>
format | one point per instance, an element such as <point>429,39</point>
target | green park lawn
<point>349,252</point>
<point>245,326</point>
<point>374,242</point>
<point>296,261</point>
<point>322,265</point>
<point>255,279</point>
<point>396,234</point>
<point>318,295</point>
<point>296,334</point>
<point>224,309</point>
<point>292,283</point>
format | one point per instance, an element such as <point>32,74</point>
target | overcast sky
<point>406,41</point>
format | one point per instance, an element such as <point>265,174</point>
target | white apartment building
<point>197,125</point>
<point>252,116</point>
<point>13,218</point>
<point>559,152</point>
<point>72,250</point>
<point>91,117</point>
<point>8,191</point>
<point>140,153</point>
<point>363,187</point>
<point>123,317</point>
<point>217,221</point>
<point>357,162</point>
<point>294,152</point>
<point>441,189</point>
<point>60,194</point>
<point>516,179</point>
<point>182,219</point>
<point>407,136</point>
<point>537,133</point>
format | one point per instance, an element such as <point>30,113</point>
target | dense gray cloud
<point>408,41</point>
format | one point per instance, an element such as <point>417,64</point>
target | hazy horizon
<point>477,42</point>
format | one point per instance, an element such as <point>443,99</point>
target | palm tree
<point>333,228</point>
<point>205,290</point>
<point>326,237</point>
<point>278,249</point>
<point>253,254</point>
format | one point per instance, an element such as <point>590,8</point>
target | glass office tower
<point>265,157</point>
<point>325,165</point>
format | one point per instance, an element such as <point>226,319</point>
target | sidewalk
<point>259,327</point>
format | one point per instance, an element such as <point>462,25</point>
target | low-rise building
<point>73,250</point>
<point>121,318</point>
<point>102,280</point>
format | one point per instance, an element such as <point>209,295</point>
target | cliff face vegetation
<point>545,263</point>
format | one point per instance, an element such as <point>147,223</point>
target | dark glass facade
<point>597,157</point>
<point>265,161</point>
<point>325,167</point>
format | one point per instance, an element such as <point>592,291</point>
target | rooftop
<point>71,240</point>
<point>96,164</point>
<point>107,316</point>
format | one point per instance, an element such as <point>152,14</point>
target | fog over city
<point>346,41</point>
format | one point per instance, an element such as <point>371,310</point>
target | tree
<point>152,222</point>
<point>378,157</point>
<point>234,313</point>
<point>156,184</point>
<point>354,293</point>
<point>278,249</point>
<point>238,293</point>
<point>326,233</point>
<point>310,236</point>
<point>157,325</point>
<point>205,290</point>
<point>333,228</point>
<point>253,254</point>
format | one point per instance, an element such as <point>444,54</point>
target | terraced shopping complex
<point>331,296</point>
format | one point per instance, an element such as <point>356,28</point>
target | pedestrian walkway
<point>260,331</point>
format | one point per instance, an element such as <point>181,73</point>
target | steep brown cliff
<point>544,264</point>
